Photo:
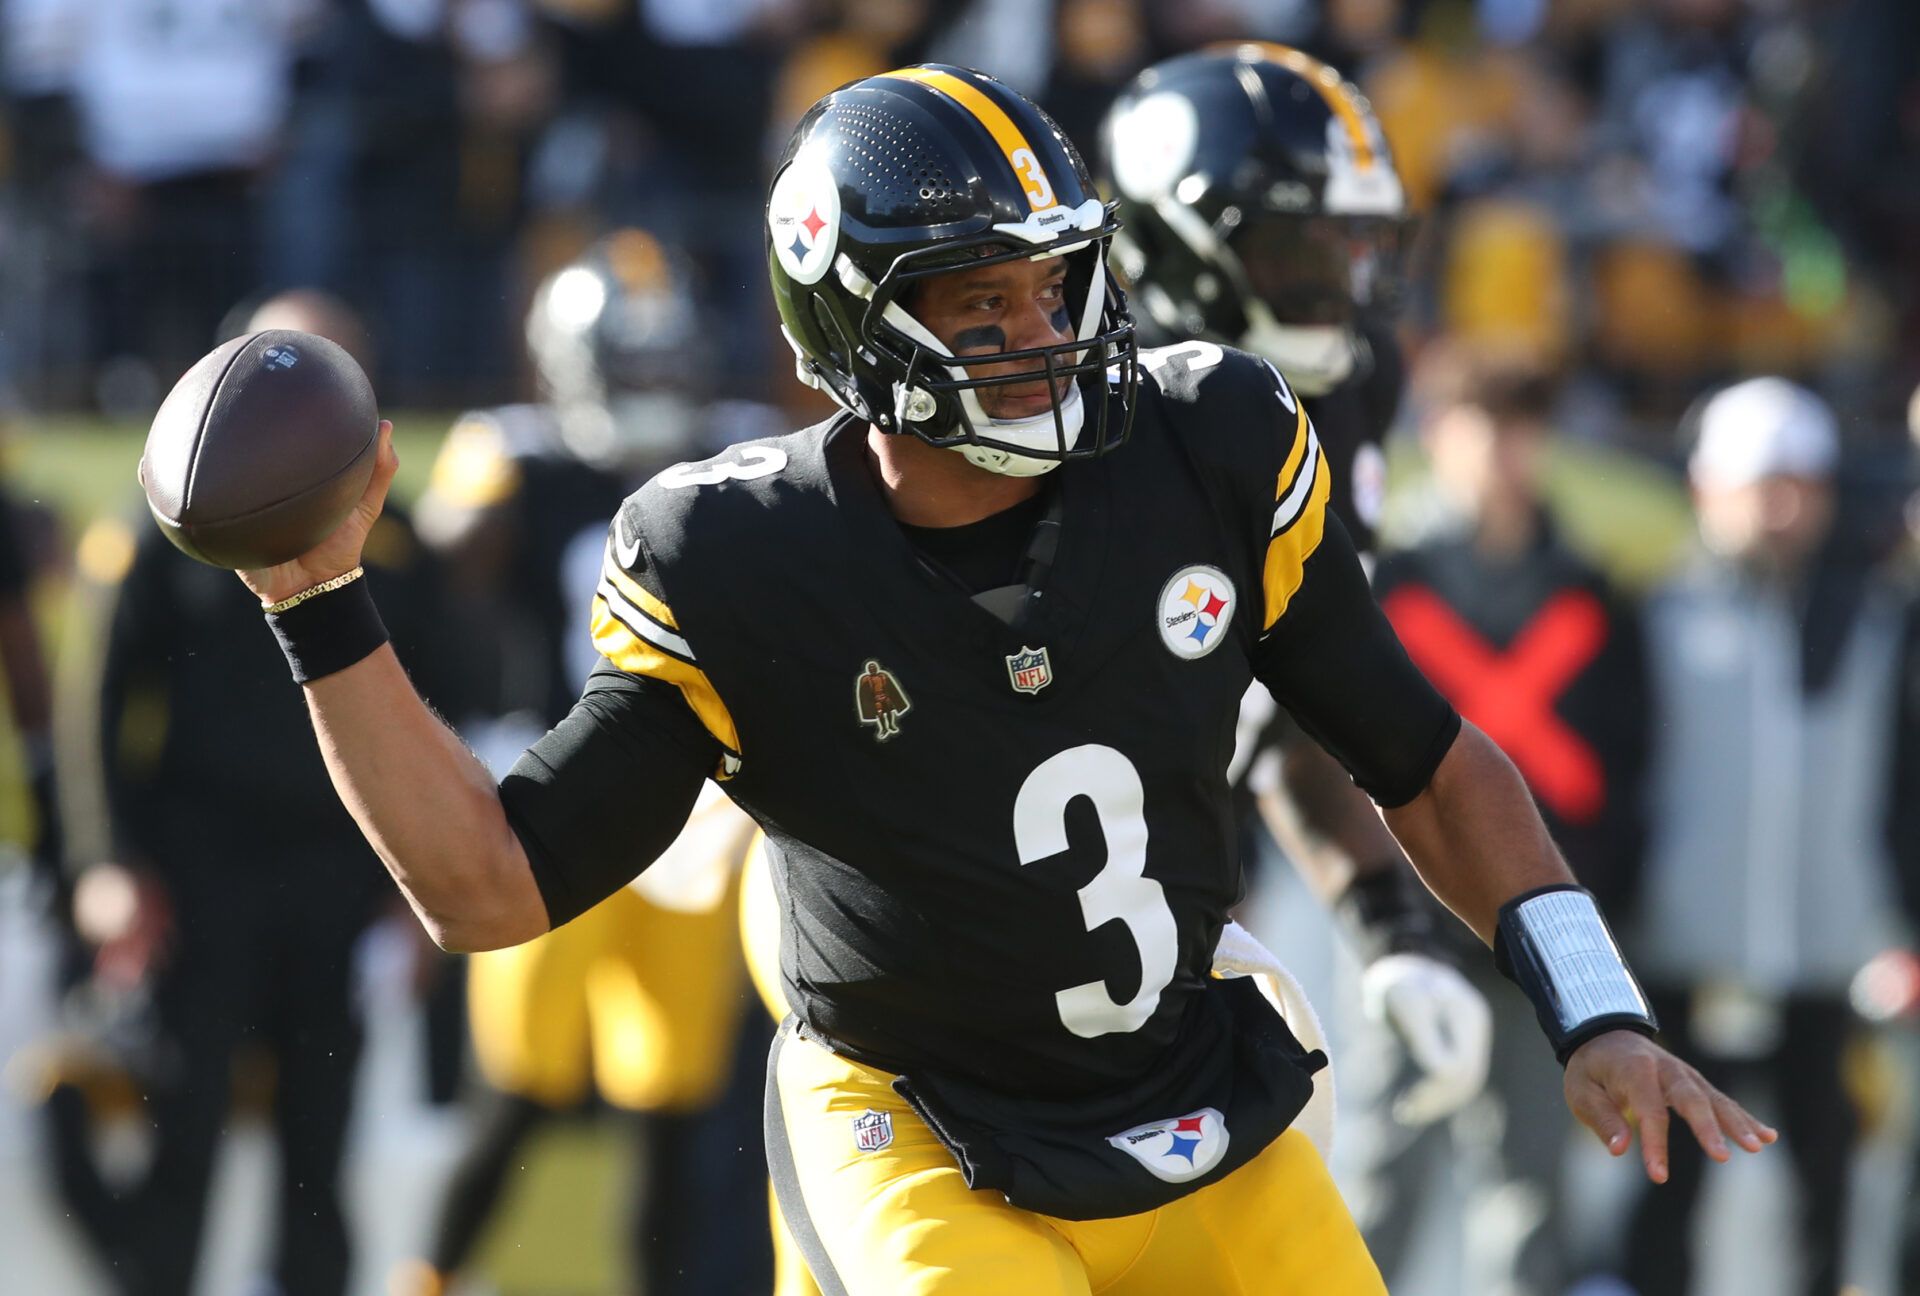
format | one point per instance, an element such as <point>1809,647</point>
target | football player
<point>1009,1065</point>
<point>638,1000</point>
<point>1260,208</point>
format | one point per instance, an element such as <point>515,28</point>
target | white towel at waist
<point>1239,954</point>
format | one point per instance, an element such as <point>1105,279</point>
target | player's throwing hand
<point>1621,1080</point>
<point>340,551</point>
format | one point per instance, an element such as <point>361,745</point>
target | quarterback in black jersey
<point>996,799</point>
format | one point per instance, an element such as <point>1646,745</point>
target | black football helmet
<point>900,177</point>
<point>621,353</point>
<point>1260,205</point>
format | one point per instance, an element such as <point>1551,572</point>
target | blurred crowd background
<point>1661,193</point>
<point>1637,202</point>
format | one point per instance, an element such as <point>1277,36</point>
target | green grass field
<point>85,467</point>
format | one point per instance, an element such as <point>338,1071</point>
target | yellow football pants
<point>642,1001</point>
<point>901,1221</point>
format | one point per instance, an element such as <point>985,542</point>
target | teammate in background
<point>238,890</point>
<point>639,1000</point>
<point>1531,644</point>
<point>1260,209</point>
<point>1009,1067</point>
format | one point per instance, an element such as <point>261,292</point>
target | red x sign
<point>1511,694</point>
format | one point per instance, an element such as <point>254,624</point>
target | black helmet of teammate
<point>1260,204</point>
<point>618,345</point>
<point>899,177</point>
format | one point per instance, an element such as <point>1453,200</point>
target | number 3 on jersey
<point>1121,890</point>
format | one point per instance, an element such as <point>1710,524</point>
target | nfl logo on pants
<point>872,1130</point>
<point>1029,670</point>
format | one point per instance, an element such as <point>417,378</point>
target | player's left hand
<point>1443,1022</point>
<point>1623,1080</point>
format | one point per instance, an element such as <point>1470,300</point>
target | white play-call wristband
<point>1557,947</point>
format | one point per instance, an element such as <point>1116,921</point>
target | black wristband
<point>1386,911</point>
<point>329,633</point>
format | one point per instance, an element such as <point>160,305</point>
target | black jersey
<point>1005,852</point>
<point>1352,420</point>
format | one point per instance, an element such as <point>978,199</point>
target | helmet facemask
<point>938,396</point>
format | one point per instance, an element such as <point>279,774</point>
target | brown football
<point>261,449</point>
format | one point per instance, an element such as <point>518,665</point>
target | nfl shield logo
<point>1029,670</point>
<point>872,1130</point>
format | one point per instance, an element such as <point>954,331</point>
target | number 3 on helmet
<point>914,173</point>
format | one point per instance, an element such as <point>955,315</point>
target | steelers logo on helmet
<point>803,217</point>
<point>939,169</point>
<point>1196,607</point>
<point>1160,131</point>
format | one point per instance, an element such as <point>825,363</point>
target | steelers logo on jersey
<point>1196,606</point>
<point>1177,1150</point>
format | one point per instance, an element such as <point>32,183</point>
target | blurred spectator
<point>1531,645</point>
<point>402,185</point>
<point>180,106</point>
<point>231,908</point>
<point>1100,45</point>
<point>1674,100</point>
<point>664,124</point>
<point>1776,678</point>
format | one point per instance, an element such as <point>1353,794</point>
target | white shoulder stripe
<point>1296,500</point>
<point>641,624</point>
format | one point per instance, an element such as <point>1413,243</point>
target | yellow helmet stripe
<point>1330,85</point>
<point>1013,143</point>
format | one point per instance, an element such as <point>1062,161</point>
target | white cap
<point>1764,427</point>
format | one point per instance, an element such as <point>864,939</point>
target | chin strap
<point>1037,433</point>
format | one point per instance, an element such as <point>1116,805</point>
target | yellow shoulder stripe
<point>1287,552</point>
<point>636,656</point>
<point>1295,454</point>
<point>642,597</point>
<point>1013,143</point>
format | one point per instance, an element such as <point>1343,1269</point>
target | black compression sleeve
<point>1333,661</point>
<point>607,789</point>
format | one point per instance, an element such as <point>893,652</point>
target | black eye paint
<point>1059,319</point>
<point>982,336</point>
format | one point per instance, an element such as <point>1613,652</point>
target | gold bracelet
<point>324,587</point>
